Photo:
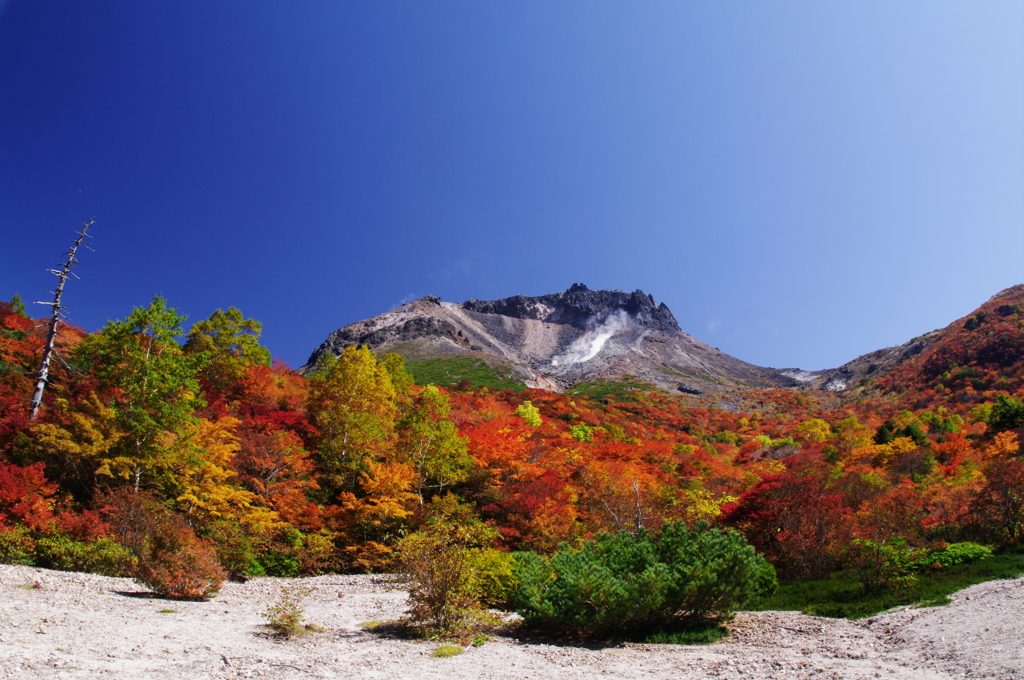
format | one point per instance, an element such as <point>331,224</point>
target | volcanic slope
<point>556,341</point>
<point>983,350</point>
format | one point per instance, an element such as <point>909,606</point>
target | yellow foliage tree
<point>374,522</point>
<point>203,477</point>
<point>78,442</point>
<point>352,404</point>
<point>814,431</point>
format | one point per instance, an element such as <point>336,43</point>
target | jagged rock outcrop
<point>554,341</point>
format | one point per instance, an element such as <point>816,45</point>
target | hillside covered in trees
<point>211,453</point>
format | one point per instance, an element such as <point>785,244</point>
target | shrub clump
<point>16,545</point>
<point>284,617</point>
<point>454,573</point>
<point>446,650</point>
<point>100,555</point>
<point>629,585</point>
<point>171,560</point>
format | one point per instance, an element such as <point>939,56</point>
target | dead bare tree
<point>56,317</point>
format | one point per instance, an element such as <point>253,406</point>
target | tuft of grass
<point>444,651</point>
<point>369,625</point>
<point>842,597</point>
<point>452,370</point>
<point>704,633</point>
<point>168,611</point>
<point>480,639</point>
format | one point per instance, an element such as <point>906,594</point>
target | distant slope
<point>555,341</point>
<point>983,350</point>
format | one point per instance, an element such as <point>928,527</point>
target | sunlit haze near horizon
<point>799,182</point>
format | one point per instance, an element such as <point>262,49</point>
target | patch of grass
<point>444,651</point>
<point>842,596</point>
<point>168,611</point>
<point>452,370</point>
<point>480,639</point>
<point>369,625</point>
<point>697,634</point>
<point>624,390</point>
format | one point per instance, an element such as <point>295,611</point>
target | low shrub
<point>452,572</point>
<point>954,554</point>
<point>172,561</point>
<point>98,556</point>
<point>288,553</point>
<point>284,617</point>
<point>236,550</point>
<point>843,597</point>
<point>635,584</point>
<point>16,546</point>
<point>490,576</point>
<point>178,565</point>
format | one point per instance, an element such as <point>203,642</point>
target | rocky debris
<point>100,627</point>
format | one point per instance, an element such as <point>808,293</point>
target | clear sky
<point>801,183</point>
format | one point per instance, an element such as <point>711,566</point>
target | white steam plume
<point>586,347</point>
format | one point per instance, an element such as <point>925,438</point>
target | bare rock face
<point>555,341</point>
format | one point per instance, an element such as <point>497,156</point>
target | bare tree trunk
<point>58,308</point>
<point>638,521</point>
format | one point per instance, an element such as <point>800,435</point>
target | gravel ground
<point>82,626</point>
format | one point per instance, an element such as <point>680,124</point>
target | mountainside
<point>555,341</point>
<point>983,350</point>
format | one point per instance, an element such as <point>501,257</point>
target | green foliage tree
<point>150,382</point>
<point>18,306</point>
<point>624,583</point>
<point>529,413</point>
<point>1007,413</point>
<point>431,443</point>
<point>229,343</point>
<point>582,432</point>
<point>352,404</point>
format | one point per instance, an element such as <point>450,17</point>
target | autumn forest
<point>195,438</point>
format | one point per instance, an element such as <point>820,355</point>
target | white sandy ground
<point>81,626</point>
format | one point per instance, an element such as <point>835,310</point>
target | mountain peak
<point>556,340</point>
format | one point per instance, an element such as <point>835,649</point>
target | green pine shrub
<point>632,584</point>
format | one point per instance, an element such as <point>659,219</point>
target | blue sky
<point>801,183</point>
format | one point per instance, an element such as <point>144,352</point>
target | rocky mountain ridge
<point>555,341</point>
